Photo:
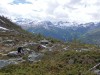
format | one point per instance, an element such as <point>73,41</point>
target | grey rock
<point>66,48</point>
<point>19,60</point>
<point>44,42</point>
<point>4,63</point>
<point>8,41</point>
<point>15,59</point>
<point>29,44</point>
<point>27,51</point>
<point>13,54</point>
<point>97,72</point>
<point>35,57</point>
<point>71,61</point>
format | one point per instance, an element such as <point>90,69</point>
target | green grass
<point>57,63</point>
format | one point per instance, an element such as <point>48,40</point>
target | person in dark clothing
<point>20,49</point>
<point>39,47</point>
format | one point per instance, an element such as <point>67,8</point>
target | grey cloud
<point>67,11</point>
<point>37,10</point>
<point>3,10</point>
<point>74,1</point>
<point>51,7</point>
<point>95,16</point>
<point>69,7</point>
<point>97,3</point>
<point>62,15</point>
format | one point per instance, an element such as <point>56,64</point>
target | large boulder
<point>15,53</point>
<point>12,54</point>
<point>27,51</point>
<point>4,63</point>
<point>35,57</point>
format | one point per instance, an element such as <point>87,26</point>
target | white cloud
<point>5,2</point>
<point>70,10</point>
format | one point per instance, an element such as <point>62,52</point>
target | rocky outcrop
<point>4,63</point>
<point>12,54</point>
<point>7,62</point>
<point>34,57</point>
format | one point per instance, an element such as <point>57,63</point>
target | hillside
<point>81,32</point>
<point>43,56</point>
<point>78,59</point>
<point>10,31</point>
<point>62,30</point>
<point>64,33</point>
<point>92,36</point>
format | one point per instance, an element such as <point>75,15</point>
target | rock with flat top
<point>34,57</point>
<point>4,63</point>
<point>13,54</point>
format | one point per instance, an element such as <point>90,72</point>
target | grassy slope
<point>53,63</point>
<point>58,63</point>
<point>18,32</point>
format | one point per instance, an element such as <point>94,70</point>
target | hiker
<point>39,47</point>
<point>20,50</point>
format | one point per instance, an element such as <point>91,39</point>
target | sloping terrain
<point>13,36</point>
<point>55,58</point>
<point>78,59</point>
<point>66,34</point>
<point>92,36</point>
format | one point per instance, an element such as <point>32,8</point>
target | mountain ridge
<point>63,30</point>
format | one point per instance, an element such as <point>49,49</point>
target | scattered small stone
<point>71,61</point>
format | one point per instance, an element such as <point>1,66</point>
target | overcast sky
<point>69,10</point>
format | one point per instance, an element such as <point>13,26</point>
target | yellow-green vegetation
<point>69,62</point>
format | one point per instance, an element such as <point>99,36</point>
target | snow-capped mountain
<point>63,30</point>
<point>46,24</point>
<point>27,23</point>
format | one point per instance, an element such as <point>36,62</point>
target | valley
<point>63,30</point>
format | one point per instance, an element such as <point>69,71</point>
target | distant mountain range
<point>63,30</point>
